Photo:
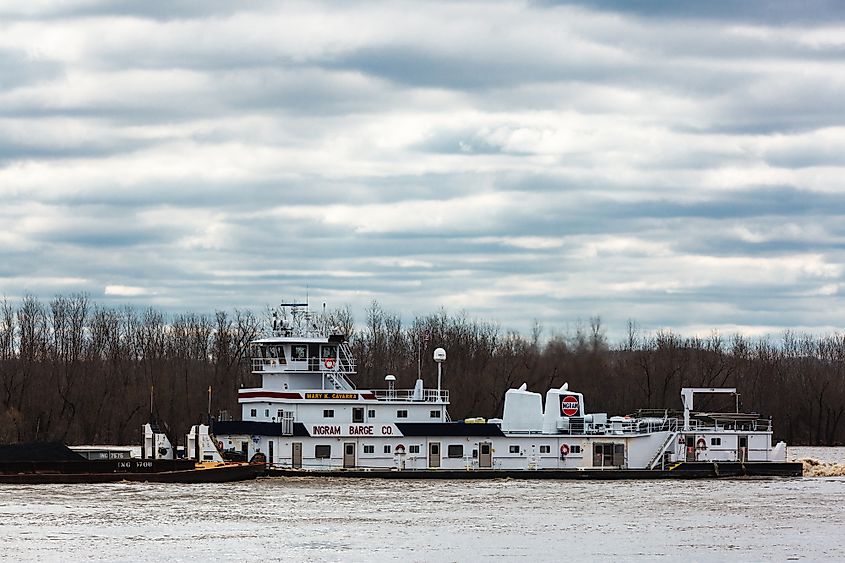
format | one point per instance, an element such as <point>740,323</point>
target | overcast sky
<point>680,166</point>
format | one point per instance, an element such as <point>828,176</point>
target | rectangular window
<point>402,414</point>
<point>357,414</point>
<point>513,449</point>
<point>253,413</point>
<point>322,452</point>
<point>371,413</point>
<point>715,441</point>
<point>545,449</point>
<point>387,448</point>
<point>266,413</point>
<point>455,450</point>
<point>369,449</point>
<point>298,352</point>
<point>413,449</point>
<point>328,413</point>
<point>434,414</point>
<point>608,454</point>
<point>575,449</point>
<point>280,413</point>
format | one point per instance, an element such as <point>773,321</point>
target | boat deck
<point>684,470</point>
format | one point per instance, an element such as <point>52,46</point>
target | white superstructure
<point>309,414</point>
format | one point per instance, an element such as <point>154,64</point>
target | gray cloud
<point>676,164</point>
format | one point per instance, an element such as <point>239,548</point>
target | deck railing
<point>346,365</point>
<point>427,395</point>
<point>577,426</point>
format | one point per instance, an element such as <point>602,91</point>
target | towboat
<point>308,417</point>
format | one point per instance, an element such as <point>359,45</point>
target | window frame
<point>294,357</point>
<point>322,451</point>
<point>328,413</point>
<point>455,451</point>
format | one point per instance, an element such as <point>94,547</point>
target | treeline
<point>82,373</point>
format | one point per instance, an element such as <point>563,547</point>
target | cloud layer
<point>517,160</point>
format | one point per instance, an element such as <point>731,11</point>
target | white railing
<point>346,365</point>
<point>286,425</point>
<point>338,381</point>
<point>428,395</point>
<point>578,426</point>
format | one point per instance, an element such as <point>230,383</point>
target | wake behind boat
<point>308,417</point>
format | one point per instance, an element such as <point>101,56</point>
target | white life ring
<point>701,444</point>
<point>398,448</point>
<point>564,449</point>
<point>329,362</point>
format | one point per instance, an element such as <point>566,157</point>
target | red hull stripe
<point>268,394</point>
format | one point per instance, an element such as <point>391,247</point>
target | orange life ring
<point>702,444</point>
<point>329,363</point>
<point>564,449</point>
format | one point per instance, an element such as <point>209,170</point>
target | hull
<point>87,472</point>
<point>681,471</point>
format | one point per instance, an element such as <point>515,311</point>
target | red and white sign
<point>568,405</point>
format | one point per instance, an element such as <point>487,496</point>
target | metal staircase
<point>662,449</point>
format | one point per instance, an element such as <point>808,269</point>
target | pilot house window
<point>299,352</point>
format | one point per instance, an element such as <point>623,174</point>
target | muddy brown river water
<point>319,519</point>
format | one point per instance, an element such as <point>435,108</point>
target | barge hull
<point>681,471</point>
<point>222,474</point>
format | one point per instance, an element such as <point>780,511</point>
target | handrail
<point>310,364</point>
<point>640,426</point>
<point>428,395</point>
